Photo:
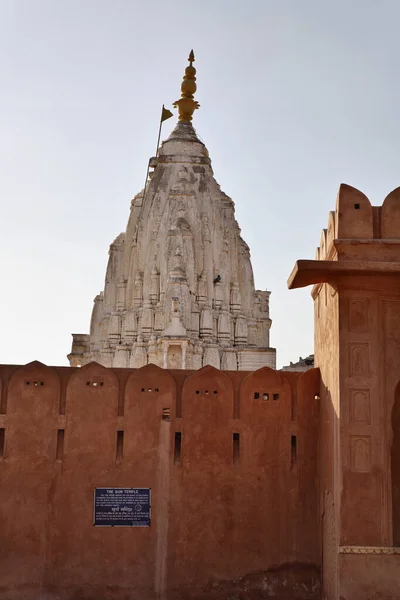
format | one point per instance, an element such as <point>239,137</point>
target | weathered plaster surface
<point>228,521</point>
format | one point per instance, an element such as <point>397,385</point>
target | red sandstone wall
<point>228,516</point>
<point>357,343</point>
<point>326,317</point>
<point>369,576</point>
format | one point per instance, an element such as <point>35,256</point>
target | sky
<point>297,96</point>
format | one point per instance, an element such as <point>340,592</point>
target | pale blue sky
<point>296,97</point>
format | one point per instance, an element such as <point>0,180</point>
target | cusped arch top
<point>34,389</point>
<point>353,214</point>
<point>153,375</point>
<point>390,215</point>
<point>210,374</point>
<point>309,380</point>
<point>207,407</point>
<point>266,387</point>
<point>308,391</point>
<point>35,370</point>
<point>90,372</point>
<point>266,374</point>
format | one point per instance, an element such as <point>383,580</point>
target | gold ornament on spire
<point>186,104</point>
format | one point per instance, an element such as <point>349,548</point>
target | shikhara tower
<point>179,287</point>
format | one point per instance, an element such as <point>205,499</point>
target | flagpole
<point>145,181</point>
<point>159,130</point>
<point>163,117</point>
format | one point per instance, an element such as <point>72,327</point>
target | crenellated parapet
<point>356,227</point>
<point>231,460</point>
<point>359,237</point>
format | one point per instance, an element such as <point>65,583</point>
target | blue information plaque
<point>122,507</point>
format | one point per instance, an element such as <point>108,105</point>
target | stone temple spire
<point>179,288</point>
<point>186,105</point>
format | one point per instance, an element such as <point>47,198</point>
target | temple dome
<point>179,286</point>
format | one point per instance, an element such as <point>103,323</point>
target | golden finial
<point>186,104</point>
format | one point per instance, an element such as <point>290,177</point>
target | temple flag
<point>165,114</point>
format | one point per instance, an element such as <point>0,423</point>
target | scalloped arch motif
<point>208,371</point>
<point>34,366</point>
<point>265,387</point>
<point>92,373</point>
<point>390,215</point>
<point>312,374</point>
<point>353,214</point>
<point>151,368</point>
<point>271,373</point>
<point>156,374</point>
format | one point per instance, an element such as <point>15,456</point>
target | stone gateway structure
<point>179,289</point>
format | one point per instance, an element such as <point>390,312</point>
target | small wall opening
<point>178,447</point>
<point>236,448</point>
<point>2,441</point>
<point>293,450</point>
<point>60,444</point>
<point>120,445</point>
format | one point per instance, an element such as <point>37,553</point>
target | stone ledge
<point>369,550</point>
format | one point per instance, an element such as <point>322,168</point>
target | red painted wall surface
<point>234,514</point>
<point>356,277</point>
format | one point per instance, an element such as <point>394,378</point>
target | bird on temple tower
<point>179,288</point>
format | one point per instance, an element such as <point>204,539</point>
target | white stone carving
<point>179,288</point>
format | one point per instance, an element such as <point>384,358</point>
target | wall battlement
<point>230,457</point>
<point>356,228</point>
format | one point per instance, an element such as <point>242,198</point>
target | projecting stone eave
<point>314,272</point>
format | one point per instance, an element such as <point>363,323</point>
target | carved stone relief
<point>358,315</point>
<point>359,359</point>
<point>360,408</point>
<point>360,453</point>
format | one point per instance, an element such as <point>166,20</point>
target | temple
<point>179,289</point>
<point>252,485</point>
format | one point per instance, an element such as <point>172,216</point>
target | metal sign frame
<point>125,504</point>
